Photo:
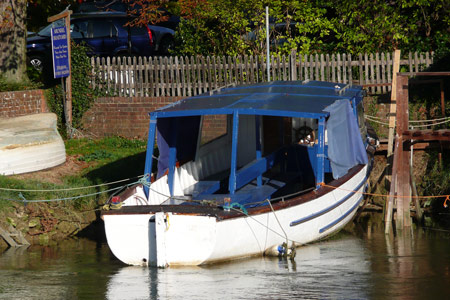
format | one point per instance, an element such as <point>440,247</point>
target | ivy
<point>83,94</point>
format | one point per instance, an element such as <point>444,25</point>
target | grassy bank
<point>69,195</point>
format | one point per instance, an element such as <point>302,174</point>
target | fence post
<point>293,65</point>
<point>184,76</point>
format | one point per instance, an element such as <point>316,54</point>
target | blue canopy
<point>332,104</point>
<point>277,98</point>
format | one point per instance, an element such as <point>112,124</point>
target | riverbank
<point>51,205</point>
<point>90,175</point>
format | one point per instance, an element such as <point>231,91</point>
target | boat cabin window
<point>213,127</point>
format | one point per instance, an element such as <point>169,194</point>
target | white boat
<point>244,171</point>
<point>30,143</point>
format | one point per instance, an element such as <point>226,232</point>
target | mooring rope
<point>273,211</point>
<point>429,125</point>
<point>69,189</point>
<point>23,200</point>
<point>439,121</point>
<point>379,122</point>
<point>429,121</point>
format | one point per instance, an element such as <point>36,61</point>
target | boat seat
<point>202,188</point>
<point>257,194</point>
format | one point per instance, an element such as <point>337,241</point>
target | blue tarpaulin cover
<point>277,98</point>
<point>345,147</point>
<point>313,99</point>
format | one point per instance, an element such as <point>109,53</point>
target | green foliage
<point>216,27</point>
<point>438,173</point>
<point>238,27</point>
<point>83,94</point>
<point>6,85</point>
<point>410,25</point>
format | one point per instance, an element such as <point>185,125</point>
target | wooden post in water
<point>403,218</point>
<point>393,108</point>
<point>392,116</point>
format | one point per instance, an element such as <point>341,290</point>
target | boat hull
<point>170,238</point>
<point>30,143</point>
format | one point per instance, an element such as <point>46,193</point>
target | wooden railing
<point>190,76</point>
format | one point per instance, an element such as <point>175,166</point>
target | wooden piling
<point>403,204</point>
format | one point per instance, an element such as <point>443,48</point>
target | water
<point>368,265</point>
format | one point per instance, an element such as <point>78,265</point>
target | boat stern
<point>160,239</point>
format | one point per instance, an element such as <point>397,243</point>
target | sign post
<point>61,61</point>
<point>60,52</point>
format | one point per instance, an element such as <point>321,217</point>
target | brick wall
<point>124,116</point>
<point>20,103</point>
<point>128,117</point>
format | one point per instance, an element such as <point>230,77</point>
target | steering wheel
<point>305,135</point>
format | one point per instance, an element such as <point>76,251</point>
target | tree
<point>39,10</point>
<point>371,26</point>
<point>148,11</point>
<point>12,40</point>
<point>238,27</point>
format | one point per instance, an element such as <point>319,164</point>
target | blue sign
<point>60,52</point>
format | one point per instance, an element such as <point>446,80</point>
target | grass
<point>108,159</point>
<point>104,151</point>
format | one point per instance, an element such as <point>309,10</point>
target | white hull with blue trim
<point>288,164</point>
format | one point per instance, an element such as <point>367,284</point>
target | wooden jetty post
<point>401,183</point>
<point>403,218</point>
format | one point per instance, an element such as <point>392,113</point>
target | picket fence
<point>190,76</point>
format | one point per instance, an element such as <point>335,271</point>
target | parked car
<point>106,34</point>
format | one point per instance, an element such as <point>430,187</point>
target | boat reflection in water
<point>371,266</point>
<point>335,269</point>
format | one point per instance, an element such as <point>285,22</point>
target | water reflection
<point>371,265</point>
<point>412,265</point>
<point>328,270</point>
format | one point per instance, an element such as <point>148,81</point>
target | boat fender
<point>284,251</point>
<point>114,203</point>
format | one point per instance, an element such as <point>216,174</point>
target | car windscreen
<point>46,31</point>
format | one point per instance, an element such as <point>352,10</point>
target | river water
<point>366,265</point>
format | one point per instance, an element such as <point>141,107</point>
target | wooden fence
<point>190,76</point>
